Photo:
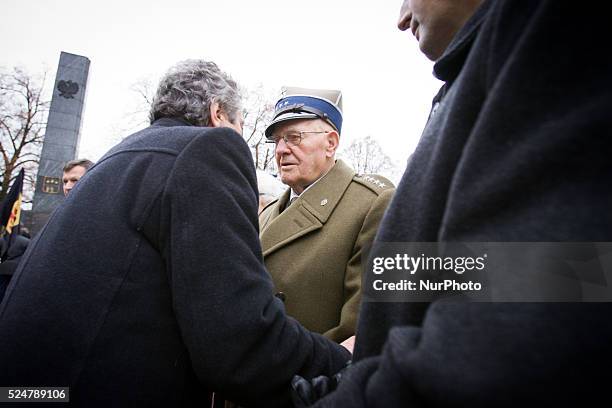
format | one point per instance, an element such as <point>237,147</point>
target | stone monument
<point>62,135</point>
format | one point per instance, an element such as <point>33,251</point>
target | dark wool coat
<point>147,286</point>
<point>518,149</point>
<point>10,264</point>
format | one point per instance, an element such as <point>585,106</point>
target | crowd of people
<point>175,275</point>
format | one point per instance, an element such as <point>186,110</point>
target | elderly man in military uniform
<point>315,234</point>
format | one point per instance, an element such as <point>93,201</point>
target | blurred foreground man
<point>517,148</point>
<point>147,286</point>
<point>313,237</point>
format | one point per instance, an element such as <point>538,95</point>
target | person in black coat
<point>13,256</point>
<point>517,149</point>
<point>146,287</point>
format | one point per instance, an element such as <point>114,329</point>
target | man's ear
<point>218,118</point>
<point>333,140</point>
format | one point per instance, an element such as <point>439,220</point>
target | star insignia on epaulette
<point>373,180</point>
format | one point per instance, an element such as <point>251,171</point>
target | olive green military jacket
<point>313,248</point>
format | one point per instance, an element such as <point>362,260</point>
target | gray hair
<point>78,162</point>
<point>188,89</point>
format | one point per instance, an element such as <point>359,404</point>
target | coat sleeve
<point>354,269</point>
<point>537,167</point>
<point>239,340</point>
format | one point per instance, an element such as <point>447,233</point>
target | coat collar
<point>448,66</point>
<point>167,122</point>
<point>331,188</point>
<point>309,212</point>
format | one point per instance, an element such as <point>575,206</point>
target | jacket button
<point>281,296</point>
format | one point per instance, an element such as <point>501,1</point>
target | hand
<point>304,393</point>
<point>349,344</point>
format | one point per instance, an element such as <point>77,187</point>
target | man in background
<point>72,173</point>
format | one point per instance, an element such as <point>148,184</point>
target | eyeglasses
<point>293,138</point>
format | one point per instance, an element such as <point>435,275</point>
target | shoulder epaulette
<point>374,182</point>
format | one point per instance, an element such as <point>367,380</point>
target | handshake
<point>305,392</point>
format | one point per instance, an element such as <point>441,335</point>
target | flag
<point>11,213</point>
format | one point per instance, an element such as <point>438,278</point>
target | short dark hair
<point>78,162</point>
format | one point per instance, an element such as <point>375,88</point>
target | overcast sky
<point>351,45</point>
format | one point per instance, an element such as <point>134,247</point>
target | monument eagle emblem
<point>67,89</point>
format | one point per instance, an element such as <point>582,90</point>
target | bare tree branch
<point>366,156</point>
<point>22,162</point>
<point>259,109</point>
<point>23,114</point>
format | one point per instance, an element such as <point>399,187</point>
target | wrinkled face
<point>301,165</point>
<point>71,177</point>
<point>434,23</point>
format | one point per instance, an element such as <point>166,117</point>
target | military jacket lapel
<point>308,213</point>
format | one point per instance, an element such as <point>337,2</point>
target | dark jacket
<point>518,149</point>
<point>147,286</point>
<point>18,246</point>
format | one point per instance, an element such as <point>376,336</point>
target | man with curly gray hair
<point>199,93</point>
<point>165,297</point>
